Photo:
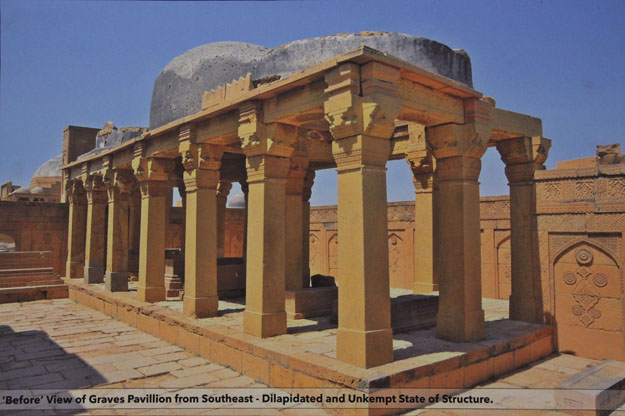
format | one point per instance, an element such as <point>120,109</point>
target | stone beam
<point>507,124</point>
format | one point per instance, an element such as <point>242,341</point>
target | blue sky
<point>84,63</point>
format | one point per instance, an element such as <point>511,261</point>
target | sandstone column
<point>361,127</point>
<point>458,149</point>
<point>422,166</point>
<point>267,149</point>
<point>116,279</point>
<point>96,229</point>
<point>153,176</point>
<point>523,156</point>
<point>134,228</point>
<point>223,189</point>
<point>306,194</point>
<point>295,222</point>
<point>201,177</point>
<point>76,232</point>
<point>245,189</point>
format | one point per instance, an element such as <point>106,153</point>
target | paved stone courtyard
<point>59,344</point>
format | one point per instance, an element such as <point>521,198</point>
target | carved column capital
<point>309,181</point>
<point>95,188</point>
<point>258,138</point>
<point>359,151</point>
<point>118,183</point>
<point>453,140</point>
<point>419,155</point>
<point>223,189</point>
<point>298,168</point>
<point>75,192</point>
<point>523,156</point>
<point>372,111</point>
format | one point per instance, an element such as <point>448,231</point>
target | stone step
<point>24,259</point>
<point>597,391</point>
<point>22,271</point>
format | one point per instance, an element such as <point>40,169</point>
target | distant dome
<point>179,87</point>
<point>237,201</point>
<point>37,190</point>
<point>50,168</point>
<point>22,190</point>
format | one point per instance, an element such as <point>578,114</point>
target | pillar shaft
<point>95,239</point>
<point>460,315</point>
<point>151,287</point>
<point>426,276</point>
<point>201,246</point>
<point>76,232</point>
<point>116,279</point>
<point>523,156</point>
<point>222,197</point>
<point>295,223</point>
<point>266,246</point>
<point>306,194</point>
<point>364,335</point>
<point>134,230</point>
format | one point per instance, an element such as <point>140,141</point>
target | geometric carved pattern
<point>587,298</point>
<point>616,187</point>
<point>584,189</point>
<point>552,191</point>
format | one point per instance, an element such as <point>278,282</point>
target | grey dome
<point>37,190</point>
<point>22,190</point>
<point>50,168</point>
<point>179,87</point>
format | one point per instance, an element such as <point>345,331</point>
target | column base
<point>94,274</point>
<point>466,328</point>
<point>264,325</point>
<point>116,281</point>
<point>200,307</point>
<point>74,270</point>
<point>150,294</point>
<point>364,349</point>
<point>425,287</point>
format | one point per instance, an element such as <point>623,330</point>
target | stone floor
<point>63,345</point>
<point>58,344</point>
<point>318,335</point>
<point>544,374</point>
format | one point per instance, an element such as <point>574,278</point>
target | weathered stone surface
<point>179,87</point>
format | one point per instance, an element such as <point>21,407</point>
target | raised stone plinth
<point>306,357</point>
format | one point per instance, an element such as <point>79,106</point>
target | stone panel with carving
<point>588,300</point>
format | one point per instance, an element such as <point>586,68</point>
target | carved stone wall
<point>495,226</point>
<point>37,226</point>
